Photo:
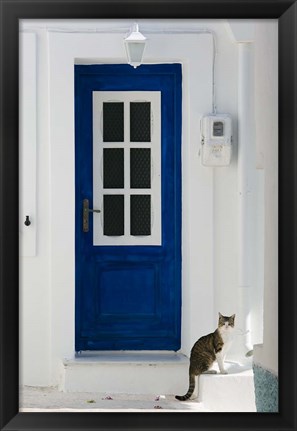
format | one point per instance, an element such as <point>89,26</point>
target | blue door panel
<point>129,297</point>
<point>134,287</point>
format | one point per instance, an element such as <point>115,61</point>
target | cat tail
<point>190,390</point>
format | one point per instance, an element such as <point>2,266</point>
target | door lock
<point>86,211</point>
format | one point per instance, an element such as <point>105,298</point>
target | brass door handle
<point>86,211</point>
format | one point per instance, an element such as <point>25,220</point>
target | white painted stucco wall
<point>209,196</point>
<point>266,110</point>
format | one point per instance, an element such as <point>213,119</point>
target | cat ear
<point>233,316</point>
<point>220,315</point>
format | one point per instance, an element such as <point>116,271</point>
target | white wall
<point>266,109</point>
<point>209,196</point>
<point>35,277</point>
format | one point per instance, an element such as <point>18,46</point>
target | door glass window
<point>113,122</point>
<point>113,215</point>
<point>113,168</point>
<point>140,121</point>
<point>140,168</point>
<point>127,168</point>
<point>140,214</point>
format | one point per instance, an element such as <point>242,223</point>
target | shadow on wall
<point>266,390</point>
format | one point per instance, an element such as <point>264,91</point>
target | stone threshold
<point>127,357</point>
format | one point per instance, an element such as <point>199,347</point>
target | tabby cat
<point>207,349</point>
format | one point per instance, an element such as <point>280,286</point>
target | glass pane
<point>113,122</point>
<point>140,168</point>
<point>218,128</point>
<point>113,210</point>
<point>113,168</point>
<point>140,121</point>
<point>140,213</point>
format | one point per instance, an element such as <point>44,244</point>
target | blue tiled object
<point>266,390</point>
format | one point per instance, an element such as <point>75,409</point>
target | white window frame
<point>154,97</point>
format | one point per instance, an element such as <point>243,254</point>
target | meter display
<point>218,128</point>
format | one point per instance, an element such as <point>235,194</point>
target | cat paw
<point>224,372</point>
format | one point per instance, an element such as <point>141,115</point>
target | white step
<point>125,372</point>
<point>232,392</point>
<point>158,373</point>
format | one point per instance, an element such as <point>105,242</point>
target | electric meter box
<point>216,140</point>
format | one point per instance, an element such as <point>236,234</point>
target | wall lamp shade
<point>135,44</point>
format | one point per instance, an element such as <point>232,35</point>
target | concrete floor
<point>35,399</point>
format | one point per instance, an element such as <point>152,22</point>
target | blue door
<point>128,207</point>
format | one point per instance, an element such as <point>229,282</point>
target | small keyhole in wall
<point>27,221</point>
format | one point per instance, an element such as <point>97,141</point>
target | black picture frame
<point>14,10</point>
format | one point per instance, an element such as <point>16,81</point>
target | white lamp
<point>135,44</point>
